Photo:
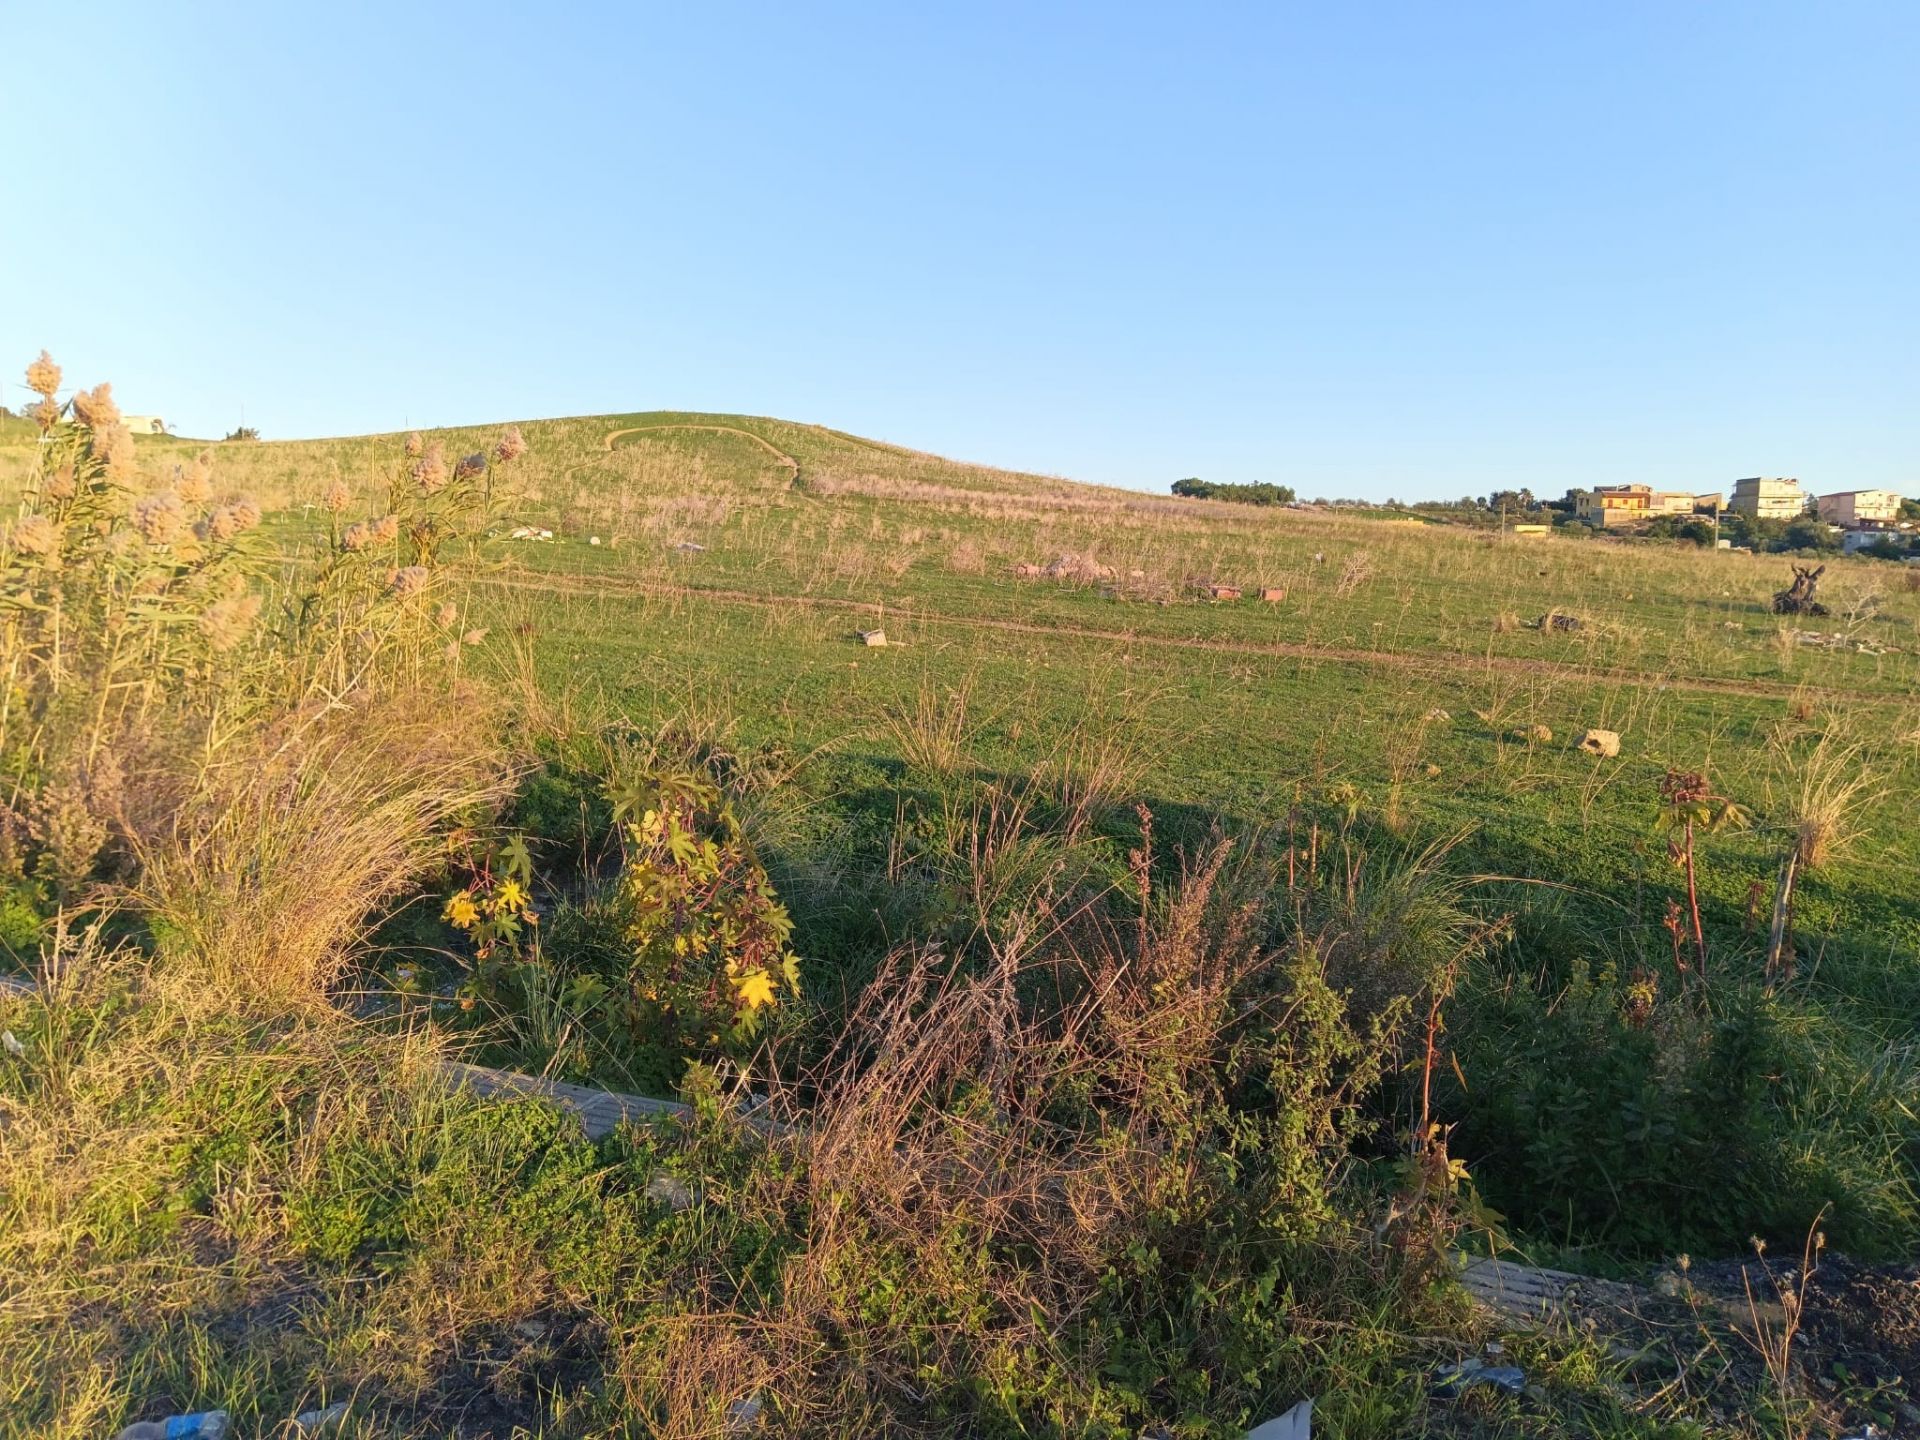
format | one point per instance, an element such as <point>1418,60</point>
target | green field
<point>1390,697</point>
<point>1054,745</point>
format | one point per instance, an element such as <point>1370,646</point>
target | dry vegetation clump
<point>260,757</point>
<point>1028,1178</point>
<point>1356,570</point>
<point>1825,786</point>
<point>274,855</point>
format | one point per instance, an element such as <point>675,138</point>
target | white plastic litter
<point>1296,1424</point>
<point>321,1422</point>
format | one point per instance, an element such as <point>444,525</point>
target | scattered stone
<point>1223,592</point>
<point>1604,743</point>
<point>1531,734</point>
<point>690,547</point>
<point>1554,620</point>
<point>593,539</point>
<point>1437,716</point>
<point>1027,572</point>
<point>1433,771</point>
<point>873,639</point>
<point>1273,594</point>
<point>11,1042</point>
<point>529,532</point>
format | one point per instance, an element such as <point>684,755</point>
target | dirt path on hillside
<point>1438,662</point>
<point>793,465</point>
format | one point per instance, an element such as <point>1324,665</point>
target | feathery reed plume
<point>415,446</point>
<point>233,517</point>
<point>337,497</point>
<point>159,517</point>
<point>409,580</point>
<point>225,623</point>
<point>357,536</point>
<point>95,408</point>
<point>113,446</point>
<point>430,471</point>
<point>193,481</point>
<point>43,376</point>
<point>35,535</point>
<point>510,446</point>
<point>222,524</point>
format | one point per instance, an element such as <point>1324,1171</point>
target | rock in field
<point>1604,743</point>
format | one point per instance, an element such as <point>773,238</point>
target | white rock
<point>1604,743</point>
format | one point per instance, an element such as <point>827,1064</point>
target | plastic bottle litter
<point>205,1425</point>
<point>1463,1375</point>
<point>321,1422</point>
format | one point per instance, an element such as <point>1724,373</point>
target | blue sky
<point>1396,248</point>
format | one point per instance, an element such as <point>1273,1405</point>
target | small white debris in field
<point>321,1422</point>
<point>1296,1424</point>
<point>670,1191</point>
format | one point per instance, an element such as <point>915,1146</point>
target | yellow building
<point>1608,507</point>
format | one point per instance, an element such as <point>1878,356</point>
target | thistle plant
<point>1687,804</point>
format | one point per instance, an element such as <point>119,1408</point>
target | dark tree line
<point>1260,492</point>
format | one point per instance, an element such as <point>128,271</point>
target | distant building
<point>145,424</point>
<point>1859,537</point>
<point>1678,502</point>
<point>1768,497</point>
<point>1609,507</point>
<point>1859,507</point>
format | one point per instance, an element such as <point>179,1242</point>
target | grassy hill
<point>1141,898</point>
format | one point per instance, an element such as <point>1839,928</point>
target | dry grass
<point>1826,786</point>
<point>931,731</point>
<point>274,855</point>
<point>943,1139</point>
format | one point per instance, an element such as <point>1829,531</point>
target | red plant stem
<point>1693,903</point>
